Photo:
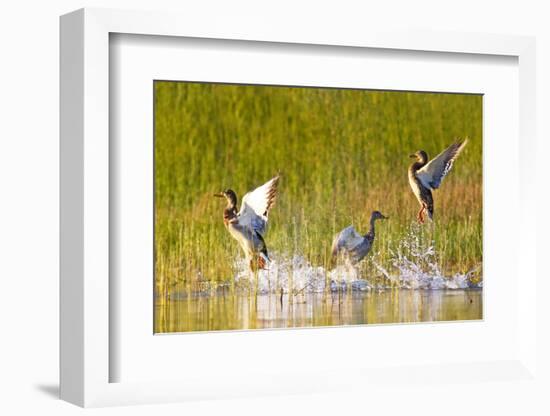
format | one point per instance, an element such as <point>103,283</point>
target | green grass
<point>341,153</point>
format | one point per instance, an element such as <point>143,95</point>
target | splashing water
<point>297,275</point>
<point>414,265</point>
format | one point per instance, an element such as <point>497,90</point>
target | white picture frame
<point>85,168</point>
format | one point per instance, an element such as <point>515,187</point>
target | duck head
<point>377,215</point>
<point>420,156</point>
<point>229,195</point>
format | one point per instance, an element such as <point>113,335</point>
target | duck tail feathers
<point>430,213</point>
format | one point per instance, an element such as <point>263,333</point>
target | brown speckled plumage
<point>351,244</point>
<point>425,176</point>
<point>249,225</point>
<point>422,193</point>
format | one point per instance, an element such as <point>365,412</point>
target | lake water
<point>243,311</point>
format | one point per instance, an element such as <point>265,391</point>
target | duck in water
<point>353,245</point>
<point>249,225</point>
<point>426,176</point>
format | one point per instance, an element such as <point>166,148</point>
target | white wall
<point>29,196</point>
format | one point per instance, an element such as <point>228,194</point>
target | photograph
<point>298,206</point>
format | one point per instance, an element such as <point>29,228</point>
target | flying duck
<point>353,245</point>
<point>249,225</point>
<point>425,176</point>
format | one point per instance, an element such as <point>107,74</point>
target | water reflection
<point>241,311</point>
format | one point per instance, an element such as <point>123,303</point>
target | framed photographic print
<point>226,198</point>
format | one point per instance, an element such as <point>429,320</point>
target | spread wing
<point>432,174</point>
<point>256,205</point>
<point>346,239</point>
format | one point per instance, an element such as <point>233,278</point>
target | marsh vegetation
<point>341,155</point>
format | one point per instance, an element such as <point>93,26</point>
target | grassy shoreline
<point>341,153</point>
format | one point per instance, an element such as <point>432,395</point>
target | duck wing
<point>347,239</point>
<point>432,174</point>
<point>256,205</point>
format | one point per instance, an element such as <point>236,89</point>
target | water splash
<point>294,274</point>
<point>413,265</point>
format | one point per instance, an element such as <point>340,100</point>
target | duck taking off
<point>425,176</point>
<point>249,225</point>
<point>353,245</point>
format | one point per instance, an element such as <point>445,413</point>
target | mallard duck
<point>425,176</point>
<point>249,225</point>
<point>353,245</point>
